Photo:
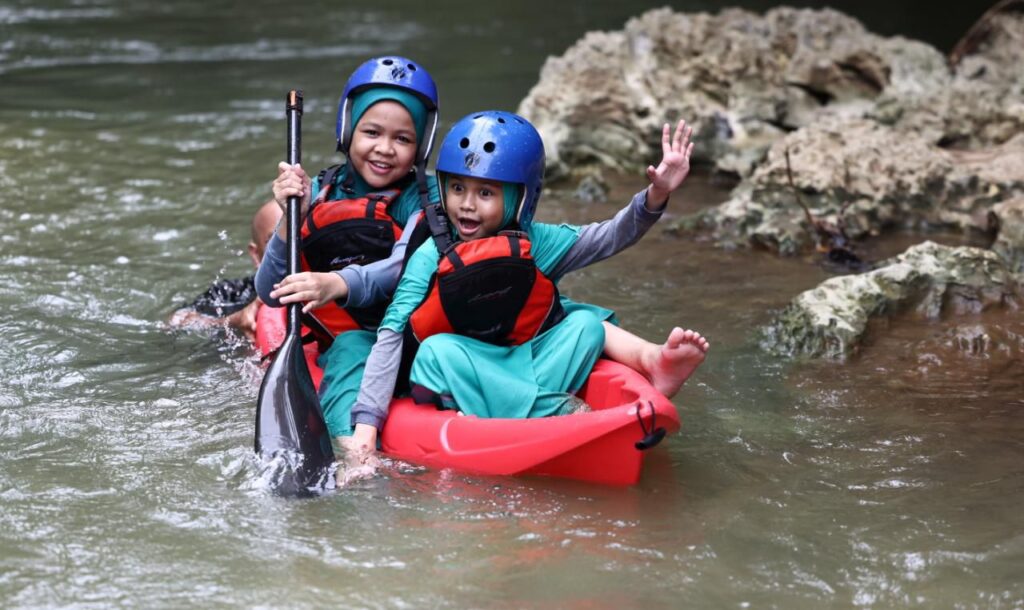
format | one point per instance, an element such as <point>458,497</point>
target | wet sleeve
<point>376,282</point>
<point>225,297</point>
<point>272,269</point>
<point>379,378</point>
<point>600,240</point>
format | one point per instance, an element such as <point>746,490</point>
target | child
<point>496,341</point>
<point>387,118</point>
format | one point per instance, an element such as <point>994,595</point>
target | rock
<point>1007,219</point>
<point>866,177</point>
<point>830,321</point>
<point>985,104</point>
<point>746,80</point>
<point>592,189</point>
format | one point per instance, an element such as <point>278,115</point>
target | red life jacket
<point>344,232</point>
<point>488,289</point>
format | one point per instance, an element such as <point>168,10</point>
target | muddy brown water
<point>136,139</point>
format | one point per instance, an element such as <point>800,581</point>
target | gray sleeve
<point>379,380</point>
<point>599,240</point>
<point>272,269</point>
<point>376,282</point>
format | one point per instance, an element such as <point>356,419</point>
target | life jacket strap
<point>326,180</point>
<point>513,245</point>
<point>455,259</point>
<point>436,219</point>
<point>317,330</point>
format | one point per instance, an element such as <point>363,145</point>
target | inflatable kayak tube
<point>600,446</point>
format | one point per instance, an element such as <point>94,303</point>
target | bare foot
<point>668,366</point>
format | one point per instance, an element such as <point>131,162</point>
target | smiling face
<point>383,145</point>
<point>475,207</point>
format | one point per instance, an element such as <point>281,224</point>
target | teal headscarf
<point>362,101</point>
<point>510,195</point>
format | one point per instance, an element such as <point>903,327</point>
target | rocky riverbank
<point>835,133</point>
<point>746,80</point>
<point>928,279</point>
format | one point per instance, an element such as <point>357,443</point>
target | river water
<point>135,141</point>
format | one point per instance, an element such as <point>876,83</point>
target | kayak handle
<point>652,435</point>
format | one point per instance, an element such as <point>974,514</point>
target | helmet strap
<point>423,152</point>
<point>346,126</point>
<point>522,203</point>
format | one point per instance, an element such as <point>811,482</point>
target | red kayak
<point>606,445</point>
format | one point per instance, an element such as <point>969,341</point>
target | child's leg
<point>535,379</point>
<point>474,377</point>
<point>667,366</point>
<point>563,358</point>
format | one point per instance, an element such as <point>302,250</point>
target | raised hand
<point>309,287</point>
<point>674,166</point>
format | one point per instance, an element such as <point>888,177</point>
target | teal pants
<point>571,306</point>
<point>535,379</point>
<point>343,364</point>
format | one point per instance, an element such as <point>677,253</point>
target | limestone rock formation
<point>830,320</point>
<point>1007,220</point>
<point>746,80</point>
<point>866,177</point>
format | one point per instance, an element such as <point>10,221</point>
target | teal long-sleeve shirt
<point>556,249</point>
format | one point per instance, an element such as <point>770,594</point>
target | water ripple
<point>139,52</point>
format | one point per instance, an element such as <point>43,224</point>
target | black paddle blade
<point>290,431</point>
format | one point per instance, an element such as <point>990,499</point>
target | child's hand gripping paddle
<point>290,428</point>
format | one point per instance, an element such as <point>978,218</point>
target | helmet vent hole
<point>387,62</point>
<point>464,143</point>
<point>412,67</point>
<point>520,121</point>
<point>489,146</point>
<point>477,116</point>
<point>501,120</point>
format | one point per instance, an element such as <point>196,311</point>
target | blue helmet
<point>496,145</point>
<point>390,71</point>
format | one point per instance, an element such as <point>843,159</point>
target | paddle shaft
<point>294,157</point>
<point>289,421</point>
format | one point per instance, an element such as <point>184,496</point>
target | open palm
<point>675,161</point>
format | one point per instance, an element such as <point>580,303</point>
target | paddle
<point>290,426</point>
